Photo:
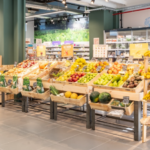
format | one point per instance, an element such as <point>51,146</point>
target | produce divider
<point>76,86</point>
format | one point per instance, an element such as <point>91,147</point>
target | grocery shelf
<point>128,42</point>
<point>82,54</point>
<point>118,49</point>
<point>81,50</point>
<point>52,54</point>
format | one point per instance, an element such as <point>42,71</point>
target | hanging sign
<point>69,42</point>
<point>38,41</point>
<point>56,43</point>
<point>41,51</point>
<point>138,50</point>
<point>67,50</point>
<point>96,41</point>
<point>100,51</point>
<point>30,50</point>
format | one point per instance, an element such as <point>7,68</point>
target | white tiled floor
<point>35,131</point>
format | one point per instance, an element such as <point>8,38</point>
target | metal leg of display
<point>88,114</point>
<point>23,105</point>
<point>26,104</point>
<point>51,109</point>
<point>137,124</point>
<point>3,99</point>
<point>55,110</point>
<point>93,119</point>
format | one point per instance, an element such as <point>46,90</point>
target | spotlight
<point>87,15</point>
<point>83,15</point>
<point>64,1</point>
<point>26,22</point>
<point>92,1</point>
<point>51,20</point>
<point>78,19</point>
<point>107,0</point>
<point>78,7</point>
<point>66,6</point>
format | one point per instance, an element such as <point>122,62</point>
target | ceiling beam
<point>123,2</point>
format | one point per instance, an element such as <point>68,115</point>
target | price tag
<point>130,59</point>
<point>136,69</point>
<point>85,67</point>
<point>34,85</point>
<point>124,68</point>
<point>15,64</point>
<point>69,58</point>
<point>107,67</point>
<point>98,68</point>
<point>48,65</point>
<point>126,99</point>
<point>77,68</point>
<point>9,82</point>
<point>29,64</point>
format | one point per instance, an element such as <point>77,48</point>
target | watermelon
<point>104,98</point>
<point>94,96</point>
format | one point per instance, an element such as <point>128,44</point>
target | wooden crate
<point>28,93</point>
<point>119,94</point>
<point>138,89</point>
<point>5,89</point>
<point>77,102</point>
<point>101,106</point>
<point>14,91</point>
<point>42,96</point>
<point>128,110</point>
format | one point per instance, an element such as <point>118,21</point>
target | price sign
<point>124,68</point>
<point>126,99</point>
<point>34,85</point>
<point>69,58</point>
<point>98,68</point>
<point>48,65</point>
<point>136,69</point>
<point>9,82</point>
<point>77,68</point>
<point>107,67</point>
<point>85,67</point>
<point>130,59</point>
<point>15,64</point>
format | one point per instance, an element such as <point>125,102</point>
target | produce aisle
<point>112,90</point>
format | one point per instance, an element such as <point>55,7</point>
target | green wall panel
<point>12,27</point>
<point>99,21</point>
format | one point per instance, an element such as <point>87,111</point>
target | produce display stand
<point>117,94</point>
<point>145,121</point>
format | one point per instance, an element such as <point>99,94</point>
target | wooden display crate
<point>5,89</point>
<point>128,110</point>
<point>33,94</point>
<point>14,91</point>
<point>101,106</point>
<point>137,89</point>
<point>77,102</point>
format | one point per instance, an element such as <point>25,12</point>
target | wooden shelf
<point>145,121</point>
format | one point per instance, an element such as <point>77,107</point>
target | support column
<point>12,29</point>
<point>3,99</point>
<point>88,113</point>
<point>137,124</point>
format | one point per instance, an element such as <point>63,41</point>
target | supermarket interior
<point>74,74</point>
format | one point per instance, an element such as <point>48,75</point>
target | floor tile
<point>55,147</point>
<point>84,142</point>
<point>11,135</point>
<point>36,128</point>
<point>114,145</point>
<point>29,143</point>
<point>58,134</point>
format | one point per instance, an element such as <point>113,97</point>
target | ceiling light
<point>64,1</point>
<point>66,6</point>
<point>78,7</point>
<point>107,0</point>
<point>92,1</point>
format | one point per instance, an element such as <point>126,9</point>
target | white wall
<point>137,19</point>
<point>30,30</point>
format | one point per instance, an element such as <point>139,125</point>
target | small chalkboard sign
<point>34,85</point>
<point>85,67</point>
<point>107,67</point>
<point>9,82</point>
<point>126,99</point>
<point>124,67</point>
<point>98,68</point>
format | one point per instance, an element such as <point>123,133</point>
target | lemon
<point>74,96</point>
<point>68,94</point>
<point>80,96</point>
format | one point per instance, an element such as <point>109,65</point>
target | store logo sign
<point>147,22</point>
